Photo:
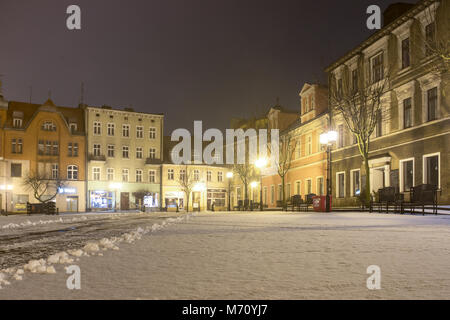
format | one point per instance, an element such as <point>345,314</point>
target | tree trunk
<point>246,191</point>
<point>367,191</point>
<point>187,203</point>
<point>283,191</point>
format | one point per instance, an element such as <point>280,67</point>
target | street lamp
<point>229,177</point>
<point>6,187</point>
<point>327,139</point>
<point>115,186</point>
<point>260,163</point>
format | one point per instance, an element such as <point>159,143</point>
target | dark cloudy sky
<point>192,60</point>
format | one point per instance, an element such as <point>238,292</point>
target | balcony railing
<point>93,157</point>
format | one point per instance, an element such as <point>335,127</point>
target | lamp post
<point>327,139</point>
<point>229,177</point>
<point>115,186</point>
<point>6,187</point>
<point>260,163</point>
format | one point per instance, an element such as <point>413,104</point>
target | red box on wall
<point>320,203</point>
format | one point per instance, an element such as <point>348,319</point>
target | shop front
<point>68,200</point>
<point>101,200</point>
<point>174,198</point>
<point>216,197</point>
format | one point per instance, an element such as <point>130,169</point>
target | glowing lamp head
<point>261,162</point>
<point>254,184</point>
<point>229,175</point>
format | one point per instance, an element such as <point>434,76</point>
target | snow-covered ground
<point>259,256</point>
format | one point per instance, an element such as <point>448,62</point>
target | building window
<point>308,186</point>
<point>377,67</point>
<point>340,184</point>
<point>96,174</point>
<point>17,123</point>
<point>405,53</point>
<point>309,145</point>
<point>72,149</point>
<point>152,153</point>
<point>407,113</point>
<point>55,171</point>
<point>208,176</point>
<point>265,195</point>
<point>170,174</point>
<point>111,128</point>
<point>139,132</point>
<point>288,191</point>
<point>280,192</point>
<point>431,170</point>
<point>379,124</point>
<point>406,174</point>
<point>298,149</point>
<point>297,187</point>
<point>339,87</point>
<point>125,152</point>
<point>152,176</point>
<point>73,127</point>
<point>125,175</point>
<point>16,170</point>
<point>355,182</point>
<point>319,186</point>
<point>355,80</point>
<point>96,150</point>
<point>41,148</point>
<point>55,148</point>
<point>220,176</point>
<point>432,100</point>
<point>152,133</point>
<point>139,153</point>
<point>272,194</point>
<point>72,172</point>
<point>16,146</point>
<point>48,126</point>
<point>111,151</point>
<point>341,136</point>
<point>97,128</point>
<point>430,44</point>
<point>125,130</point>
<point>182,174</point>
<point>196,175</point>
<point>110,174</point>
<point>138,175</point>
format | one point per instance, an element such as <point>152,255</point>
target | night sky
<point>207,60</point>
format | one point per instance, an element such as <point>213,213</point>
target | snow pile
<point>39,266</point>
<point>91,248</point>
<point>60,257</point>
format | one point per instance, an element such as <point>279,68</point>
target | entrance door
<point>72,204</point>
<point>124,201</point>
<point>378,180</point>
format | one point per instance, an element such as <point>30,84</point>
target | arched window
<point>48,126</point>
<point>72,172</point>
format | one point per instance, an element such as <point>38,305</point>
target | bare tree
<point>186,182</point>
<point>436,34</point>
<point>45,188</point>
<point>246,173</point>
<point>284,161</point>
<point>360,106</point>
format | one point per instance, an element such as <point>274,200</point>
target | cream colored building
<point>124,154</point>
<point>210,185</point>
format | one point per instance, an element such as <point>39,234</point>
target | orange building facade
<point>42,139</point>
<point>308,171</point>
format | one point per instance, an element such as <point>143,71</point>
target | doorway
<point>378,179</point>
<point>124,201</point>
<point>72,204</point>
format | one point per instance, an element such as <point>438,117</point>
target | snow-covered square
<point>246,255</point>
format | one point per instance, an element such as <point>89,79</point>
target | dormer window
<point>73,127</point>
<point>17,123</point>
<point>48,126</point>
